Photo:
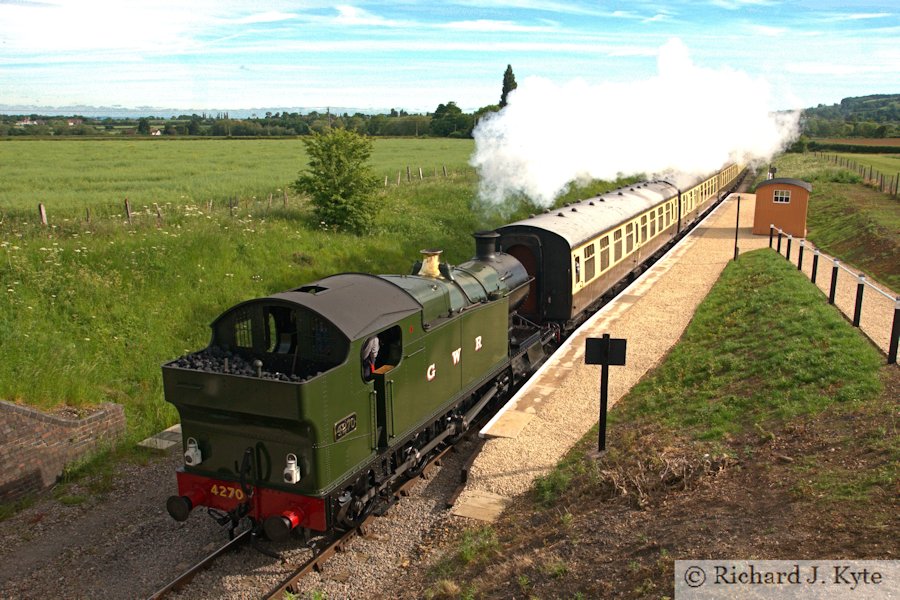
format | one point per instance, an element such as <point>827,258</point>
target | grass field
<point>69,176</point>
<point>889,164</point>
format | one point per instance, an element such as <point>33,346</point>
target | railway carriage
<point>577,253</point>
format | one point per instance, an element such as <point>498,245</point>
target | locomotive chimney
<point>431,263</point>
<point>485,244</point>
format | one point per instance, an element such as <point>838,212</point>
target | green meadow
<point>69,176</point>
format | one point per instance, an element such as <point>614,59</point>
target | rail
<point>776,238</point>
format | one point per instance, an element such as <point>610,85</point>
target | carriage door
<point>527,250</point>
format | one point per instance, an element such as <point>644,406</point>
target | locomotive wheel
<point>353,507</point>
<point>356,512</point>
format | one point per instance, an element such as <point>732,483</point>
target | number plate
<point>227,491</point>
<point>344,426</point>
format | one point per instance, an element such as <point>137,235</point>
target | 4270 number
<point>227,491</point>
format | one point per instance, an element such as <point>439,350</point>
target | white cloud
<point>353,16</point>
<point>486,25</point>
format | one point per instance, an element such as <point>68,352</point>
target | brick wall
<point>35,447</point>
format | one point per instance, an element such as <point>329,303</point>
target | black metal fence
<point>778,239</point>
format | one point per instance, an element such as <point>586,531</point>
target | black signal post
<point>737,223</point>
<point>604,351</point>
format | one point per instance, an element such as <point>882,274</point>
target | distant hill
<point>875,116</point>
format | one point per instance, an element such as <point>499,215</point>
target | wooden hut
<point>782,202</point>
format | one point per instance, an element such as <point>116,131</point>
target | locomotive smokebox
<point>486,244</point>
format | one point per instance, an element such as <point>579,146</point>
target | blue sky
<point>235,54</point>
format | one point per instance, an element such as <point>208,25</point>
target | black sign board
<point>605,351</point>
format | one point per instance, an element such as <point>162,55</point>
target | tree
<point>339,180</point>
<point>450,121</point>
<point>509,84</point>
<point>143,126</point>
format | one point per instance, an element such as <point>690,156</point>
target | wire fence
<point>778,239</point>
<point>887,184</point>
<point>131,213</point>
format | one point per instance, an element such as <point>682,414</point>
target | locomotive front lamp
<point>292,471</point>
<point>192,456</point>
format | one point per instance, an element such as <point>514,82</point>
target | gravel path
<point>126,546</point>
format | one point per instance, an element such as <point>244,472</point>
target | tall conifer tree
<point>509,84</point>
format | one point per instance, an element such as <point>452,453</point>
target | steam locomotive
<point>308,406</point>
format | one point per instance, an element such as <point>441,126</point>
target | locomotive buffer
<point>604,351</point>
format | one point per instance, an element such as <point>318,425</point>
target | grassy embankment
<point>856,223</point>
<point>89,311</point>
<point>765,433</point>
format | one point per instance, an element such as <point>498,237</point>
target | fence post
<point>895,333</point>
<point>42,212</point>
<point>444,167</point>
<point>771,234</point>
<point>857,313</point>
<point>815,266</point>
<point>800,257</point>
<point>788,254</point>
<point>834,276</point>
<point>408,174</point>
<point>398,176</point>
<point>128,210</point>
<point>421,176</point>
<point>285,197</point>
<point>779,242</point>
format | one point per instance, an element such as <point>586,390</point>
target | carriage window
<point>617,245</point>
<point>652,224</point>
<point>659,218</point>
<point>644,228</point>
<point>604,253</point>
<point>589,260</point>
<point>577,269</point>
<point>629,237</point>
<point>668,214</point>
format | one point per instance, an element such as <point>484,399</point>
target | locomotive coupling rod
<point>473,412</point>
<point>423,451</point>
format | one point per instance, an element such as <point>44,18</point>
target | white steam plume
<point>686,120</point>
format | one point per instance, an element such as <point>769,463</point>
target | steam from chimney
<point>684,121</point>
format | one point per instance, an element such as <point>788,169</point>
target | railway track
<point>328,547</point>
